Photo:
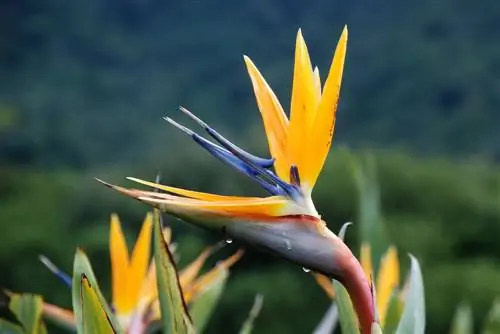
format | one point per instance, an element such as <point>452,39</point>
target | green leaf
<point>203,306</point>
<point>347,315</point>
<point>82,266</point>
<point>94,317</point>
<point>254,313</point>
<point>7,327</point>
<point>329,321</point>
<point>173,308</point>
<point>376,329</point>
<point>394,312</point>
<point>42,329</point>
<point>492,324</point>
<point>28,310</point>
<point>462,321</point>
<point>371,227</point>
<point>413,318</point>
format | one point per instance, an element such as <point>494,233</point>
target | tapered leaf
<point>347,315</point>
<point>28,310</point>
<point>371,227</point>
<point>254,312</point>
<point>173,308</point>
<point>94,318</point>
<point>82,266</point>
<point>413,318</point>
<point>492,324</point>
<point>203,306</point>
<point>462,321</point>
<point>6,313</point>
<point>376,328</point>
<point>394,312</point>
<point>7,327</point>
<point>329,321</point>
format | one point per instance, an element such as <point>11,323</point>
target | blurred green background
<point>84,85</point>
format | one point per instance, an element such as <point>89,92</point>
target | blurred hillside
<point>85,83</point>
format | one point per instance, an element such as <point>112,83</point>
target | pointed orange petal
<point>188,193</point>
<point>140,259</point>
<point>366,260</point>
<point>189,274</point>
<point>274,118</point>
<point>325,283</point>
<point>319,142</point>
<point>303,106</point>
<point>268,206</point>
<point>197,287</point>
<point>387,281</point>
<point>119,265</point>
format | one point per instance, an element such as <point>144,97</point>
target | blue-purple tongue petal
<point>56,271</point>
<point>264,177</point>
<point>261,162</point>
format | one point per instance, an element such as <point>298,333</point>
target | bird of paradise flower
<point>286,222</point>
<point>133,280</point>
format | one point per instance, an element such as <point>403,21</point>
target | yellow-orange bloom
<point>133,278</point>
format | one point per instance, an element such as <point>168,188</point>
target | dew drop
<point>306,270</point>
<point>288,244</point>
<point>228,241</point>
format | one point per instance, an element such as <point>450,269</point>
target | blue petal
<point>235,158</point>
<point>56,271</point>
<point>262,162</point>
<point>232,160</point>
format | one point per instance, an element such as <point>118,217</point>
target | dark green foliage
<point>87,83</point>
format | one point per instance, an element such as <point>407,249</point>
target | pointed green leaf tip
<point>462,321</point>
<point>376,328</point>
<point>394,312</point>
<point>94,318</point>
<point>27,308</point>
<point>348,318</point>
<point>329,321</point>
<point>492,323</point>
<point>413,318</point>
<point>254,312</point>
<point>173,308</point>
<point>82,267</point>
<point>203,306</point>
<point>371,228</point>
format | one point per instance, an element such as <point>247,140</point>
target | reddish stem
<point>357,285</point>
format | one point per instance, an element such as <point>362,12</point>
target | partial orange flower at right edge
<point>286,222</point>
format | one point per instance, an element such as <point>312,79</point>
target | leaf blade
<point>254,312</point>
<point>413,318</point>
<point>28,310</point>
<point>492,323</point>
<point>173,308</point>
<point>81,265</point>
<point>462,320</point>
<point>347,315</point>
<point>94,317</point>
<point>203,307</point>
